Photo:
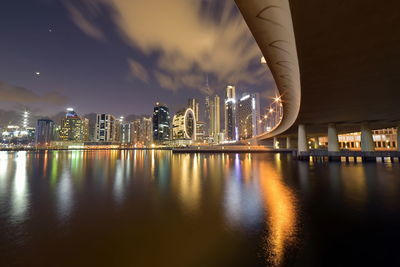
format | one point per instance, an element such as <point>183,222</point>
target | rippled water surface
<point>155,208</point>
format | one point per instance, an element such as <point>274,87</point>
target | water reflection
<point>280,209</point>
<point>228,205</point>
<point>64,194</point>
<point>19,192</point>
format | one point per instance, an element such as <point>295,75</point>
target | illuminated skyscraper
<point>194,105</point>
<point>230,114</point>
<point>161,123</point>
<point>230,92</point>
<point>25,122</point>
<point>207,116</point>
<point>106,125</point>
<point>125,132</point>
<point>45,130</point>
<point>74,128</point>
<point>215,117</point>
<point>146,136</point>
<point>136,127</point>
<point>249,116</point>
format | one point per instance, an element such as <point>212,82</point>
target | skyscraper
<point>215,117</point>
<point>106,128</point>
<point>207,116</point>
<point>230,92</point>
<point>25,122</point>
<point>161,123</point>
<point>146,136</point>
<point>136,127</point>
<point>249,116</point>
<point>73,127</point>
<point>44,133</point>
<point>230,114</point>
<point>194,105</point>
<point>125,132</point>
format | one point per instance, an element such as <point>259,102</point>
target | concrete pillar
<point>302,139</point>
<point>333,141</point>
<point>398,137</point>
<point>316,142</point>
<point>276,143</point>
<point>288,143</point>
<point>367,143</point>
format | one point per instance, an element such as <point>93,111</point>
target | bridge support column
<point>333,143</point>
<point>302,142</point>
<point>367,142</point>
<point>288,143</point>
<point>276,143</point>
<point>398,137</point>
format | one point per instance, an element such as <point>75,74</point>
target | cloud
<point>83,22</point>
<point>190,38</point>
<point>138,70</point>
<point>21,95</point>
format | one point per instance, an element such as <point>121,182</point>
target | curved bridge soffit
<point>270,22</point>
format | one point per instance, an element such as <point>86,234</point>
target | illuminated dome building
<point>184,125</point>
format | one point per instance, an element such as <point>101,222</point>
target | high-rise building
<point>248,116</point>
<point>207,116</point>
<point>146,136</point>
<point>25,122</point>
<point>136,124</point>
<point>73,127</point>
<point>230,114</point>
<point>161,123</point>
<point>106,125</point>
<point>44,133</point>
<point>194,105</point>
<point>230,92</point>
<point>184,125</point>
<point>215,117</point>
<point>125,132</point>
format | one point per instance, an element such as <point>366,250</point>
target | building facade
<point>73,127</point>
<point>126,133</point>
<point>215,118</point>
<point>45,132</point>
<point>146,136</point>
<point>230,114</point>
<point>248,116</point>
<point>184,125</point>
<point>384,139</point>
<point>161,124</point>
<point>106,128</point>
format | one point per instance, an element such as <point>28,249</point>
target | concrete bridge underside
<point>333,61</point>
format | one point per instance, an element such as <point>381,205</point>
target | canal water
<point>155,208</point>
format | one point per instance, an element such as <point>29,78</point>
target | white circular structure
<point>184,125</point>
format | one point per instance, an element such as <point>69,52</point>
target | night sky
<point>119,57</point>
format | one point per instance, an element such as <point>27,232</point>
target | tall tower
<point>230,114</point>
<point>161,123</point>
<point>207,116</point>
<point>194,105</point>
<point>215,118</point>
<point>25,120</point>
<point>230,92</point>
<point>73,127</point>
<point>248,118</point>
<point>106,128</point>
<point>45,132</point>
